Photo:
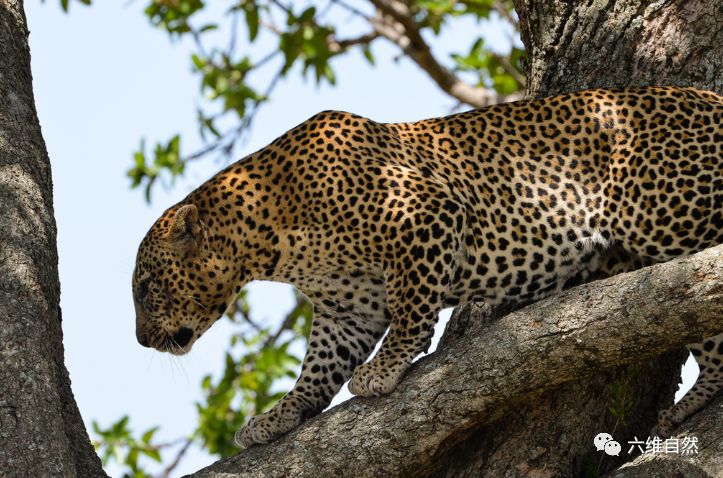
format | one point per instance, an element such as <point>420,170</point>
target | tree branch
<point>187,442</point>
<point>336,46</point>
<point>395,23</point>
<point>478,377</point>
<point>505,13</point>
<point>509,69</point>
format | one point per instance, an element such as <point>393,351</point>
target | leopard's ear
<point>187,232</point>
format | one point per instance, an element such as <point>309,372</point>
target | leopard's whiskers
<point>197,301</point>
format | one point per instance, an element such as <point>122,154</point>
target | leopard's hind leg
<point>709,356</point>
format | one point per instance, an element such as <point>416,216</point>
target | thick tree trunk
<point>571,46</point>
<point>41,431</point>
<point>574,45</point>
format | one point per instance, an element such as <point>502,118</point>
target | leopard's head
<point>181,285</point>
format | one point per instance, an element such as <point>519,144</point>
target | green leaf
<point>198,62</point>
<point>505,84</point>
<point>252,20</point>
<point>307,15</point>
<point>96,427</point>
<point>132,459</point>
<point>208,28</point>
<point>173,16</point>
<point>368,54</point>
<point>153,454</point>
<point>148,435</point>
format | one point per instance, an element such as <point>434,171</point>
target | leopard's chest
<point>343,293</point>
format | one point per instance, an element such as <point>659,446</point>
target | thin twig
<point>285,325</point>
<point>285,8</point>
<point>199,44</point>
<point>226,142</point>
<point>500,8</point>
<point>351,9</point>
<point>234,27</point>
<point>336,46</point>
<point>167,471</point>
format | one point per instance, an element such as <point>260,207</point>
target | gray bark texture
<point>573,45</point>
<point>496,367</point>
<point>41,431</point>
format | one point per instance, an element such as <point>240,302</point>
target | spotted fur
<point>382,225</point>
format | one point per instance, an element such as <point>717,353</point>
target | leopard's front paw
<point>271,425</point>
<point>369,381</point>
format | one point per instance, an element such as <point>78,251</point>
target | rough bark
<point>573,45</point>
<point>41,431</point>
<point>707,463</point>
<point>489,371</point>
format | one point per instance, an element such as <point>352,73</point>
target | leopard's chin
<point>176,343</point>
<point>177,351</point>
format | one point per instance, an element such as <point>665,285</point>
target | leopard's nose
<point>141,326</point>
<point>143,339</point>
<point>183,336</point>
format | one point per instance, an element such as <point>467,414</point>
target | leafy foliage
<point>236,78</point>
<point>173,15</point>
<point>165,157</point>
<point>117,442</point>
<point>491,69</point>
<point>65,4</point>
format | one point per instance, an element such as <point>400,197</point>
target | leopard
<point>382,225</point>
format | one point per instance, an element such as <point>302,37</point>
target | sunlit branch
<point>395,23</point>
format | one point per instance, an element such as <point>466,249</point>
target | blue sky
<point>103,79</point>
